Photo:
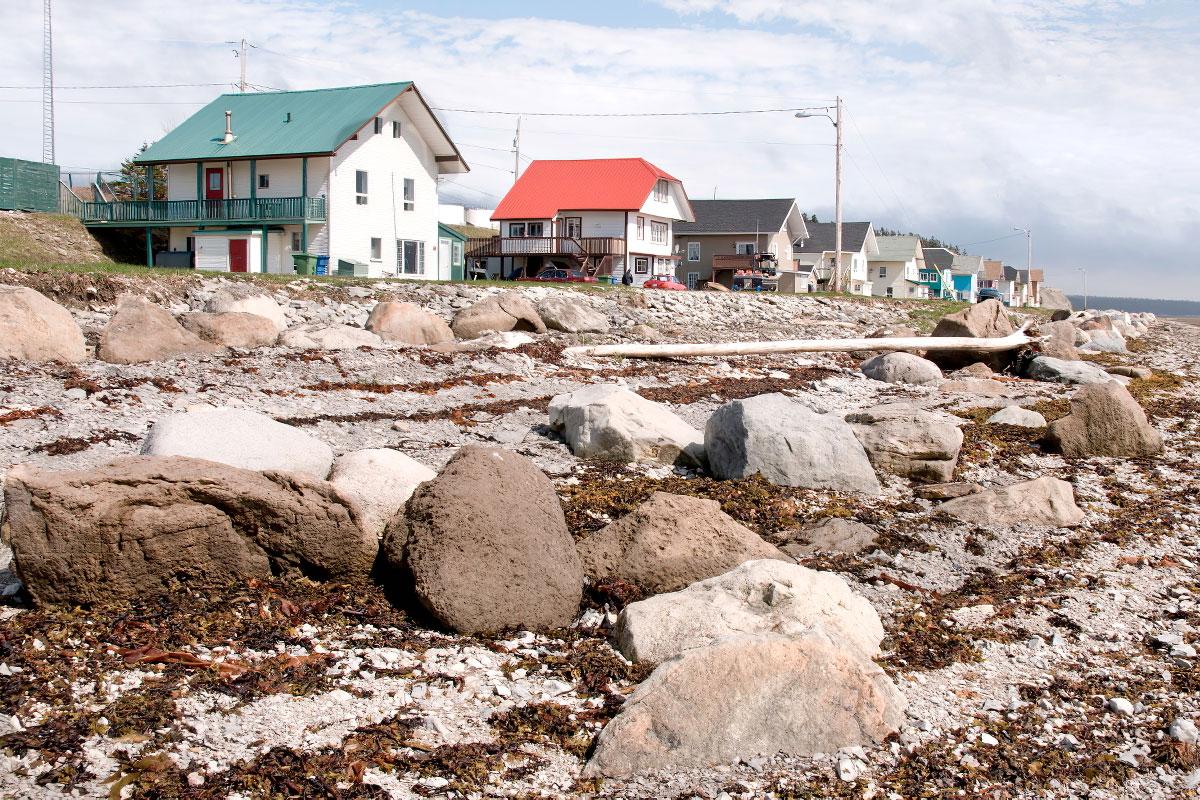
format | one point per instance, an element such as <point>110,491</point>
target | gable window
<point>641,228</point>
<point>397,133</point>
<point>360,187</point>
<point>410,256</point>
<point>660,190</point>
<point>693,252</point>
<point>379,124</point>
<point>883,272</point>
<point>516,229</point>
<point>264,181</point>
<point>376,249</point>
<point>410,194</point>
<point>658,232</point>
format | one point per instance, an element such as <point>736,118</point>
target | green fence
<point>28,185</point>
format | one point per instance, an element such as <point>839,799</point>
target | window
<point>264,181</point>
<point>534,229</point>
<point>641,228</point>
<point>883,272</point>
<point>397,132</point>
<point>660,190</point>
<point>410,256</point>
<point>410,194</point>
<point>658,232</point>
<point>516,229</point>
<point>295,241</point>
<point>641,265</point>
<point>191,244</point>
<point>693,251</point>
<point>376,249</point>
<point>572,227</point>
<point>456,253</point>
<point>693,278</point>
<point>360,187</point>
<point>889,291</point>
<point>379,124</point>
<point>744,248</point>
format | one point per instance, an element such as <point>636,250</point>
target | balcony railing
<point>738,261</point>
<point>189,212</point>
<point>582,246</point>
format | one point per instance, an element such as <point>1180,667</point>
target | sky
<point>1077,119</point>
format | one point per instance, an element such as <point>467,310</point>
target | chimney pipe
<point>228,137</point>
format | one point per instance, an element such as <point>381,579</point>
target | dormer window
<point>660,190</point>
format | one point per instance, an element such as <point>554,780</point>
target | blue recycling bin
<point>322,265</point>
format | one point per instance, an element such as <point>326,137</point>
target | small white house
<point>348,173</point>
<point>819,248</point>
<point>896,270</point>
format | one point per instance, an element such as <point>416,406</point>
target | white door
<point>443,259</point>
<point>692,279</point>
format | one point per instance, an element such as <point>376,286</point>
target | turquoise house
<point>936,273</point>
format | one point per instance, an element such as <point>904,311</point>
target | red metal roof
<point>592,184</point>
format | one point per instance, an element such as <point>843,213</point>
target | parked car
<point>561,276</point>
<point>668,282</point>
<point>990,294</point>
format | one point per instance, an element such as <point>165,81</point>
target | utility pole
<point>240,54</point>
<point>47,86</point>
<point>835,280</point>
<point>517,152</point>
<point>1028,246</point>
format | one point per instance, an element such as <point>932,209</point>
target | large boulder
<point>904,440</point>
<point>755,597</point>
<point>561,313</point>
<point>35,328</point>
<point>745,696</point>
<point>1102,340</point>
<point>247,299</point>
<point>508,311</point>
<point>611,423</point>
<point>670,541</point>
<point>1043,502</point>
<point>486,547</point>
<point>1055,299</point>
<point>1056,370</point>
<point>407,323</point>
<point>831,535</point>
<point>316,336</point>
<point>380,481</point>
<point>985,320</point>
<point>789,444</point>
<point>241,438</point>
<point>901,368</point>
<point>1105,420</point>
<point>1063,338</point>
<point>143,331</point>
<point>133,527</point>
<point>231,328</point>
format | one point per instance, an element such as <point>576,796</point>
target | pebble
<point>848,769</point>
<point>988,739</point>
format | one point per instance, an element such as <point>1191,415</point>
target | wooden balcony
<point>737,261</point>
<point>581,247</point>
<point>240,211</point>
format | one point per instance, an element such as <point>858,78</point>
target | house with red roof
<point>601,216</point>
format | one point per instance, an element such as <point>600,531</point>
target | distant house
<point>730,235</point>
<point>252,178</point>
<point>1032,279</point>
<point>936,274</point>
<point>964,272</point>
<point>896,270</point>
<point>1014,288</point>
<point>603,216</point>
<point>994,275</point>
<point>817,250</point>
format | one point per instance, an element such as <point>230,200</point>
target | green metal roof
<point>321,120</point>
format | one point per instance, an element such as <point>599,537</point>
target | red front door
<point>237,255</point>
<point>214,183</point>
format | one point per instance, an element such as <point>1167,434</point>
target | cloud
<point>965,118</point>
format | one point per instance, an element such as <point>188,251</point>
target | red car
<point>560,276</point>
<point>668,282</point>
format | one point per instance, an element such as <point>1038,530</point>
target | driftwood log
<point>1000,344</point>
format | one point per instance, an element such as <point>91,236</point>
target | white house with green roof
<point>896,268</point>
<point>349,173</point>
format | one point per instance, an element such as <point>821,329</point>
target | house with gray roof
<point>896,270</point>
<point>818,249</point>
<point>964,273</point>
<point>729,237</point>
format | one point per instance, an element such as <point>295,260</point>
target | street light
<point>836,278</point>
<point>1083,271</point>
<point>1029,244</point>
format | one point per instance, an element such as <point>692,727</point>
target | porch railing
<point>738,261</point>
<point>583,246</point>
<point>165,212</point>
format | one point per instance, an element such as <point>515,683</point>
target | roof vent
<point>228,137</point>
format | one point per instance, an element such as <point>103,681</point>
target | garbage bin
<point>322,265</point>
<point>304,263</point>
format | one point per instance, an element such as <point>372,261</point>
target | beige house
<point>896,270</point>
<point>816,253</point>
<point>729,236</point>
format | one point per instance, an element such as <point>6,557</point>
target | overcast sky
<point>1078,118</point>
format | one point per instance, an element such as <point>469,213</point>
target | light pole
<point>1083,271</point>
<point>836,278</point>
<point>1029,246</point>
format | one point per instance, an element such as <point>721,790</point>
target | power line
<point>472,188</point>
<point>997,239</point>
<point>123,86</point>
<point>623,114</point>
<point>903,208</point>
<point>113,102</point>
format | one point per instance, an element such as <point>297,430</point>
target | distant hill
<point>1166,308</point>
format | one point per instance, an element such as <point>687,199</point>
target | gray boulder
<point>328,337</point>
<point>246,299</point>
<point>241,438</point>
<point>1105,420</point>
<point>1101,340</point>
<point>831,535</point>
<point>611,423</point>
<point>380,481</point>
<point>1015,415</point>
<point>901,368</point>
<point>142,331</point>
<point>1056,370</point>
<point>904,440</point>
<point>133,527</point>
<point>407,323</point>
<point>561,313</point>
<point>508,311</point>
<point>756,597</point>
<point>749,695</point>
<point>231,328</point>
<point>789,444</point>
<point>35,328</point>
<point>1042,502</point>
<point>670,541</point>
<point>1054,299</point>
